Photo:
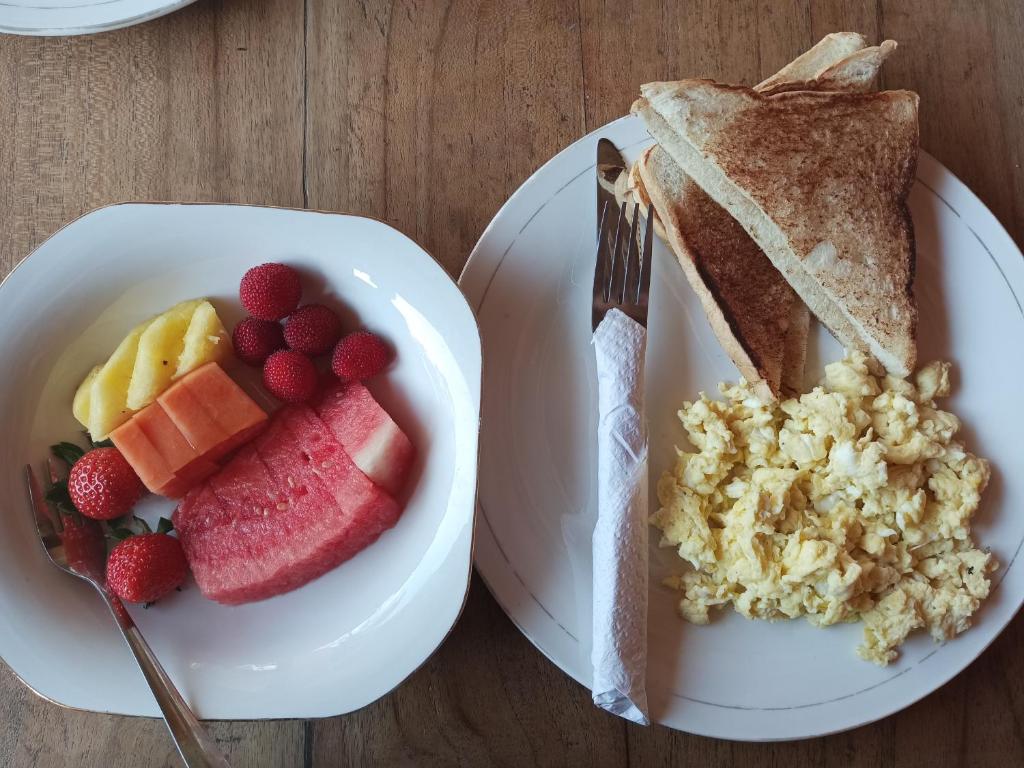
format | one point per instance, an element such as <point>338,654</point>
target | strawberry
<point>142,569</point>
<point>255,340</point>
<point>359,356</point>
<point>290,376</point>
<point>103,485</point>
<point>270,291</point>
<point>313,330</point>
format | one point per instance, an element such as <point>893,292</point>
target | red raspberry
<point>103,484</point>
<point>290,376</point>
<point>313,329</point>
<point>360,355</point>
<point>270,291</point>
<point>255,340</point>
<point>142,569</point>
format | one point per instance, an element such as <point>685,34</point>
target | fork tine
<point>40,510</point>
<point>643,289</point>
<point>632,253</point>
<point>616,252</point>
<point>601,265</point>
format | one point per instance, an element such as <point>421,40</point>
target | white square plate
<point>341,641</point>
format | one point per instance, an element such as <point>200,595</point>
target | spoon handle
<point>197,749</point>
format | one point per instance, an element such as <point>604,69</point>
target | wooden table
<point>429,115</point>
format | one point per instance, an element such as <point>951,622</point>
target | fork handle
<point>195,745</point>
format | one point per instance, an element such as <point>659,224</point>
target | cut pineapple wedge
<point>206,341</point>
<point>108,397</point>
<point>80,407</point>
<point>155,353</point>
<point>159,349</point>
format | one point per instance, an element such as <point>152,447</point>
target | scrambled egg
<point>850,503</point>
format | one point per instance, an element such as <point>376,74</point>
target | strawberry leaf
<point>164,526</point>
<point>121,528</point>
<point>108,443</point>
<point>58,495</point>
<point>123,521</point>
<point>69,453</point>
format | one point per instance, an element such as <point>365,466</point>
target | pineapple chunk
<point>80,406</point>
<point>206,341</point>
<point>156,352</point>
<point>108,408</point>
<point>160,346</point>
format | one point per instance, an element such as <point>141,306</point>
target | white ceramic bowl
<point>332,646</point>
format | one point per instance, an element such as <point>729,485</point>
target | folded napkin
<point>619,655</point>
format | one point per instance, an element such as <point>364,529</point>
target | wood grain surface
<point>428,115</point>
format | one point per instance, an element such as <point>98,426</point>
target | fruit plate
<point>735,678</point>
<point>343,640</point>
<point>80,17</point>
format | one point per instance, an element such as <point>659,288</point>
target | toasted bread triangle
<point>819,180</point>
<point>759,320</point>
<point>827,52</point>
<point>747,302</point>
<point>855,73</point>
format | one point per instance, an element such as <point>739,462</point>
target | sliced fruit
<point>212,411</point>
<point>189,467</point>
<point>206,340</point>
<point>368,434</point>
<point>160,346</point>
<point>155,353</point>
<point>80,406</point>
<point>134,444</point>
<point>199,508</point>
<point>289,507</point>
<point>199,428</point>
<point>175,443</point>
<point>226,403</point>
<point>108,396</point>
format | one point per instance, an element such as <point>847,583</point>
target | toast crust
<point>747,302</point>
<point>855,73</point>
<point>830,50</point>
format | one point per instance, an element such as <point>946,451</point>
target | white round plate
<point>79,17</point>
<point>331,646</point>
<point>529,281</point>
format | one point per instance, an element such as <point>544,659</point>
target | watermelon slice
<point>368,434</point>
<point>289,507</point>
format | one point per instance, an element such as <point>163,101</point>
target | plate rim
<point>477,297</point>
<point>156,12</point>
<point>476,391</point>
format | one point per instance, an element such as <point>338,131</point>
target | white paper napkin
<point>619,655</point>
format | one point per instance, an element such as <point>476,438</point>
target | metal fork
<point>79,548</point>
<point>622,277</point>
